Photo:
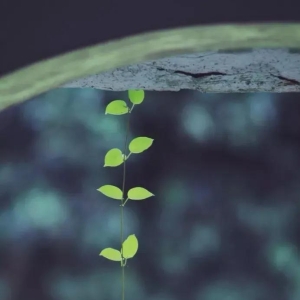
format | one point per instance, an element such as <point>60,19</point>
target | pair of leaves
<point>129,249</point>
<point>115,157</point>
<point>136,193</point>
<point>119,107</point>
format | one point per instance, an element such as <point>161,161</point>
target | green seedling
<point>114,158</point>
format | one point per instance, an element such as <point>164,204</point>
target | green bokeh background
<point>224,222</point>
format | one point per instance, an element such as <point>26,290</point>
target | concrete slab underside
<point>250,70</point>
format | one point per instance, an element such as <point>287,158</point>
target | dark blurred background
<point>223,225</point>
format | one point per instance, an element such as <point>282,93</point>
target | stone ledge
<point>252,70</point>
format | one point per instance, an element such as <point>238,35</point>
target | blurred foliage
<point>223,224</point>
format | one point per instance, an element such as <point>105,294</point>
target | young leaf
<point>138,193</point>
<point>117,107</point>
<point>140,144</point>
<point>113,158</point>
<point>130,246</point>
<point>111,254</point>
<point>111,191</point>
<point>136,96</point>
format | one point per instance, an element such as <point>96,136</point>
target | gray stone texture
<point>250,70</point>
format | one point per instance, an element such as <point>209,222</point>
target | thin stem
<point>122,208</point>
<point>123,281</point>
<point>128,155</point>
<point>131,108</point>
<point>125,202</point>
<point>122,262</point>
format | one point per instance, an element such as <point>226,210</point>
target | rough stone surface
<point>251,70</point>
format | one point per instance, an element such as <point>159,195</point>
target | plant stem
<point>122,207</point>
<point>128,155</point>
<point>125,202</point>
<point>123,282</point>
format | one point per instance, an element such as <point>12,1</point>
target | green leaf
<point>130,246</point>
<point>113,158</point>
<point>139,193</point>
<point>111,191</point>
<point>111,254</point>
<point>117,107</point>
<point>136,96</point>
<point>140,144</point>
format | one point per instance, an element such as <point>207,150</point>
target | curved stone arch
<point>45,75</point>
